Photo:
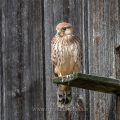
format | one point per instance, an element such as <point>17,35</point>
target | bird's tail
<point>64,96</point>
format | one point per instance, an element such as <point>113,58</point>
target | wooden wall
<point>27,26</point>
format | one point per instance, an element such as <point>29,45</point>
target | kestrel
<point>66,59</point>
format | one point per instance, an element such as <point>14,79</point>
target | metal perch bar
<point>90,82</point>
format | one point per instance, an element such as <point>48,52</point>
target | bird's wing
<point>53,51</point>
<point>54,54</point>
<point>79,55</point>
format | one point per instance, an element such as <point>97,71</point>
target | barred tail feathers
<point>64,96</point>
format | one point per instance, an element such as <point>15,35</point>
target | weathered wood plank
<point>102,32</point>
<point>90,82</point>
<point>1,65</point>
<point>78,8</point>
<point>117,55</point>
<point>10,58</point>
<point>23,60</point>
<point>117,66</point>
<point>33,60</point>
<point>55,12</point>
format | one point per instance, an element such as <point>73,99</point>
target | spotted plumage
<point>66,58</point>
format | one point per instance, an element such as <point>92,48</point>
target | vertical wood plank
<point>1,72</point>
<point>33,82</point>
<point>117,66</point>
<point>23,60</point>
<point>101,55</point>
<point>79,8</point>
<point>118,23</point>
<point>55,12</point>
<point>10,58</point>
<point>117,58</point>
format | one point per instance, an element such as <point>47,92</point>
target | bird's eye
<point>64,28</point>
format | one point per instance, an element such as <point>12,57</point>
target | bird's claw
<point>62,79</point>
<point>67,76</point>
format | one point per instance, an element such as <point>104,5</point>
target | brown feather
<point>66,59</point>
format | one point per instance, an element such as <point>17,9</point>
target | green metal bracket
<point>90,82</point>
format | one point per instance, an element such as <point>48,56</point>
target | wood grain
<point>22,49</point>
<point>90,82</point>
<point>27,27</point>
<point>117,66</point>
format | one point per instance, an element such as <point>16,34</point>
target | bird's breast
<point>67,52</point>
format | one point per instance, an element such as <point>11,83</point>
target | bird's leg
<point>67,76</point>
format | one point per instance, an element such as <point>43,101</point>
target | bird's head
<point>64,28</point>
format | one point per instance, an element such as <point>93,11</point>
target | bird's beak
<point>58,32</point>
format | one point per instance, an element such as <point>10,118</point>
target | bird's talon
<point>67,76</point>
